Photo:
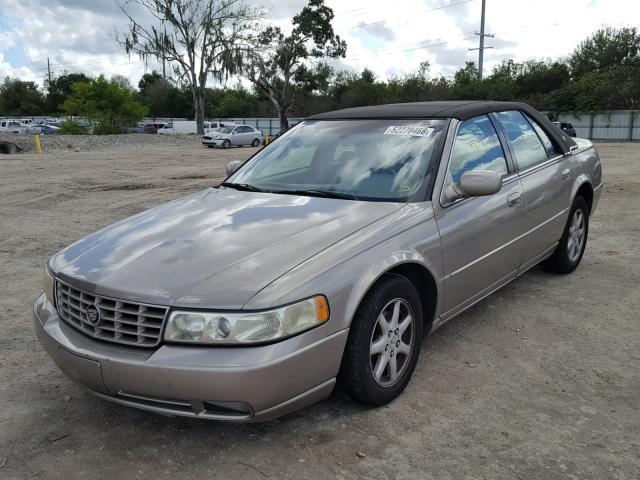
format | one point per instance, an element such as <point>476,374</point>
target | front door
<point>480,235</point>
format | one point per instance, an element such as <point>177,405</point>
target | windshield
<point>227,130</point>
<point>383,160</point>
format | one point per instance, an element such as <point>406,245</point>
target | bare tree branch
<point>205,38</point>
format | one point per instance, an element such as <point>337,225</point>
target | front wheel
<point>570,249</point>
<point>226,144</point>
<point>384,342</point>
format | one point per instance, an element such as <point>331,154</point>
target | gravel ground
<point>97,143</point>
<point>540,380</point>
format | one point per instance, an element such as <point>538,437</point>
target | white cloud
<point>390,38</point>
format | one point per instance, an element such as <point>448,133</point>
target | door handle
<point>565,173</point>
<point>514,199</point>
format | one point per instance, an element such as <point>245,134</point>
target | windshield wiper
<point>241,186</point>
<point>318,193</point>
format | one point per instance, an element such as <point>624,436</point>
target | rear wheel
<point>384,342</point>
<point>570,249</point>
<point>255,142</point>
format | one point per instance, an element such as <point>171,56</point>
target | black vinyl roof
<point>459,109</point>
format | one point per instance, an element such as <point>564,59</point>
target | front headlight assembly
<point>228,328</point>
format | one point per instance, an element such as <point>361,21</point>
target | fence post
<point>632,119</point>
<point>590,126</point>
<point>270,127</point>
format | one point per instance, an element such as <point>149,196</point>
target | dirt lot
<point>539,381</point>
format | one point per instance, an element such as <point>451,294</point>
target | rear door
<point>248,135</point>
<point>546,178</point>
<point>244,134</point>
<point>480,235</point>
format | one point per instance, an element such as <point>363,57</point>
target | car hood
<point>216,248</point>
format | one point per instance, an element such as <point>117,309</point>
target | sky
<point>390,37</point>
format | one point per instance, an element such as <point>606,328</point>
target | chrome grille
<point>120,321</point>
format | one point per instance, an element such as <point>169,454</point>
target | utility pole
<point>481,48</point>
<point>49,73</point>
<point>164,42</point>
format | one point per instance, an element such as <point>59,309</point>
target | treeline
<point>602,73</point>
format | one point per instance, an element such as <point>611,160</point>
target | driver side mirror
<point>475,183</point>
<point>233,166</point>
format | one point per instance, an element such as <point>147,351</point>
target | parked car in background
<point>139,128</point>
<point>178,127</point>
<point>214,127</point>
<point>567,128</point>
<point>233,136</point>
<point>152,128</point>
<point>12,126</point>
<point>328,255</point>
<point>50,130</point>
<point>26,122</point>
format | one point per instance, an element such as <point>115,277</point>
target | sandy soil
<point>540,380</point>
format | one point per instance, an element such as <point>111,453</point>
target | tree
<point>60,88</point>
<point>607,49</point>
<point>147,80</point>
<point>19,98</point>
<point>277,64</point>
<point>104,101</point>
<point>122,81</point>
<point>467,84</point>
<point>199,39</point>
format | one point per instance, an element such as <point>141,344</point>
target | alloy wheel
<point>577,231</point>
<point>391,342</point>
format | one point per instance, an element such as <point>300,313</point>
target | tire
<point>210,146</point>
<point>255,142</point>
<point>362,374</point>
<point>226,144</point>
<point>568,253</point>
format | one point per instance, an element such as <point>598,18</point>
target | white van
<point>178,127</point>
<point>213,127</point>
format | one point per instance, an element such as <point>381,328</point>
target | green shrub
<point>69,127</point>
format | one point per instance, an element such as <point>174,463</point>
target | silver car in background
<point>322,260</point>
<point>235,135</point>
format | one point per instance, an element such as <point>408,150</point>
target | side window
<point>476,147</point>
<point>525,143</point>
<point>546,141</point>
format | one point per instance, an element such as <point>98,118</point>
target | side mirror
<point>233,166</point>
<point>479,183</point>
<point>475,183</point>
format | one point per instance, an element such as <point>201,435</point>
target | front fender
<point>346,271</point>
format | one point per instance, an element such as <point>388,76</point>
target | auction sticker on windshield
<point>409,130</point>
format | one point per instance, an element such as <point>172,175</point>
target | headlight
<point>249,327</point>
<point>48,286</point>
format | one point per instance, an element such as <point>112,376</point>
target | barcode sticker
<point>409,131</point>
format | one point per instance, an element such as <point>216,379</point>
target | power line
<point>93,62</point>
<point>437,42</point>
<point>413,14</point>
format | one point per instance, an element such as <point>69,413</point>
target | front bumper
<point>237,384</point>
<point>216,142</point>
